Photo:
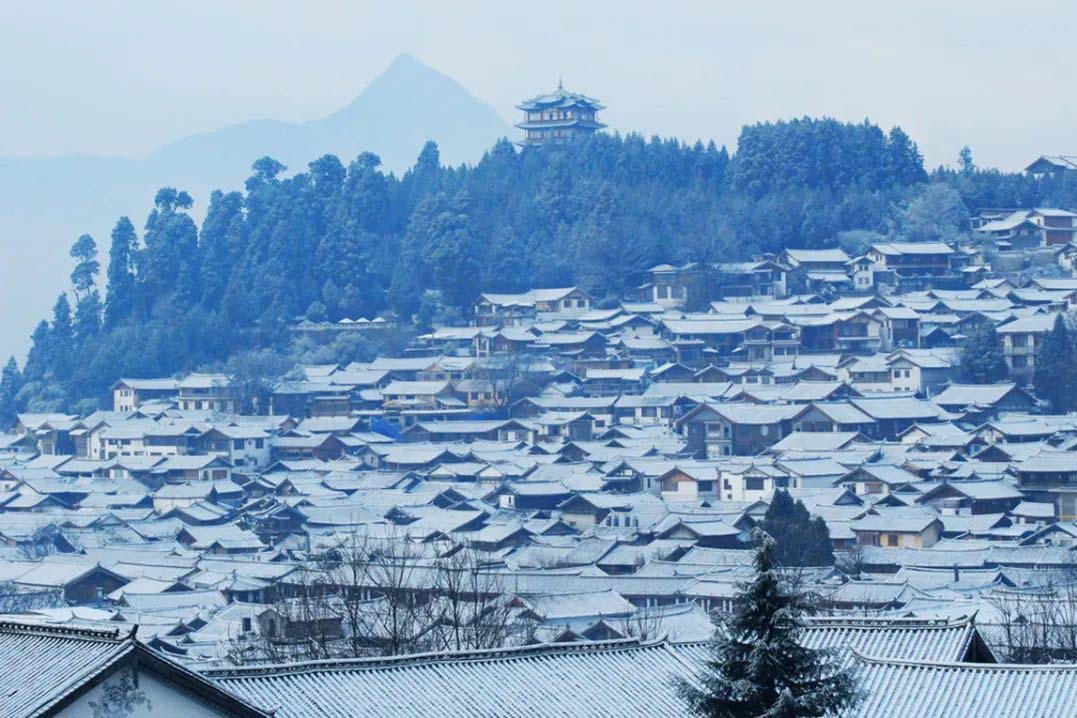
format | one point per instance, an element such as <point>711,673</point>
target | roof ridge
<point>869,622</point>
<point>923,663</point>
<point>114,635</point>
<point>484,654</point>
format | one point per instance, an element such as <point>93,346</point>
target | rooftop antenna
<point>559,85</point>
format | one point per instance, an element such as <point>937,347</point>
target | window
<point>892,540</point>
<point>753,483</point>
<point>259,443</point>
<point>246,622</point>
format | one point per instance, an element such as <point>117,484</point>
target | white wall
<point>164,700</point>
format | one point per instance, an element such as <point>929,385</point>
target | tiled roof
<point>42,665</point>
<point>945,690</point>
<point>616,678</point>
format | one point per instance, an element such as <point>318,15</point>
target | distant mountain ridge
<point>45,203</point>
<point>393,116</point>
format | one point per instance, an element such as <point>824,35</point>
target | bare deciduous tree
<point>644,624</point>
<point>511,376</point>
<point>303,624</point>
<point>1036,626</point>
<point>474,607</point>
<point>376,592</point>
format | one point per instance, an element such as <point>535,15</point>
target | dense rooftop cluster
<point>598,469</point>
<point>551,481</point>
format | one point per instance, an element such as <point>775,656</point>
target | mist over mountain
<point>45,203</point>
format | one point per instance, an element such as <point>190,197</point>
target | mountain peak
<point>397,101</point>
<point>406,72</point>
<point>404,60</point>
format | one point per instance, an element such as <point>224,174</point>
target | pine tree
<point>62,338</point>
<point>10,382</point>
<point>120,300</point>
<point>758,667</point>
<point>799,539</point>
<point>87,320</point>
<point>39,358</point>
<point>1056,363</point>
<point>224,218</point>
<point>965,163</point>
<point>170,262</point>
<point>982,359</point>
<point>88,317</point>
<point>84,276</point>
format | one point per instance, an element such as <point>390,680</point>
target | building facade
<point>558,117</point>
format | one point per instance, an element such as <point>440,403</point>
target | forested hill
<point>351,240</point>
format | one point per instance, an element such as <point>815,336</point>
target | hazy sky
<point>124,77</point>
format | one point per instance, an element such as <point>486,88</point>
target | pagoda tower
<point>559,117</point>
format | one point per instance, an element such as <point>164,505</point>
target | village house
<point>430,394</point>
<point>1027,228</point>
<point>814,260</point>
<point>760,280</point>
<point>984,399</point>
<point>689,481</point>
<point>507,309</point>
<point>128,394</point>
<point>1021,341</point>
<point>921,371</point>
<point>687,286</point>
<point>877,479</point>
<point>900,531</point>
<point>206,392</point>
<point>912,259</point>
<point>1045,165</point>
<point>715,430</point>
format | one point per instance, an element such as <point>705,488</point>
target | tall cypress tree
<point>758,667</point>
<point>62,338</point>
<point>84,276</point>
<point>799,539</point>
<point>9,388</point>
<point>982,359</point>
<point>84,284</point>
<point>120,300</point>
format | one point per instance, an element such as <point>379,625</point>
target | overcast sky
<point>122,78</point>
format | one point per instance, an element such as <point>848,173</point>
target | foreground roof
<point>633,678</point>
<point>946,690</point>
<point>903,639</point>
<point>614,678</point>
<point>46,667</point>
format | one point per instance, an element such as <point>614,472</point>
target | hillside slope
<point>46,203</point>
